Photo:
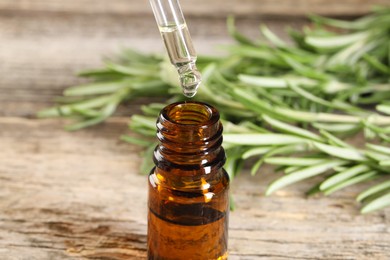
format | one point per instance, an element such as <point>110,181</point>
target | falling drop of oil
<point>190,79</point>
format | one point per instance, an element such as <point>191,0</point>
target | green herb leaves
<point>286,105</point>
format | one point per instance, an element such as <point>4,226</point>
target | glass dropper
<point>177,40</point>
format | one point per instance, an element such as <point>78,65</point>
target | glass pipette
<point>177,40</point>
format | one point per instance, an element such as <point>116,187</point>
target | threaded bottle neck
<point>190,136</point>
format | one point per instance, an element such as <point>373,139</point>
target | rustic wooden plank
<point>78,196</point>
<point>199,7</point>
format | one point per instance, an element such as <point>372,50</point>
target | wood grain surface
<point>200,7</point>
<point>79,195</point>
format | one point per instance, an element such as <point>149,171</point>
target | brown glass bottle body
<point>188,189</point>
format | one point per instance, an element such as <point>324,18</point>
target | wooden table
<point>79,196</point>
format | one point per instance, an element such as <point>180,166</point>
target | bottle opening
<point>191,113</point>
<point>190,136</point>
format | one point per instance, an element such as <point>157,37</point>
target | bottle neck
<point>190,140</point>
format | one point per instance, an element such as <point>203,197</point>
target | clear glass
<point>167,12</point>
<point>177,40</point>
<point>188,189</point>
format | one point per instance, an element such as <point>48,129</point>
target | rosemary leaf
<point>303,174</point>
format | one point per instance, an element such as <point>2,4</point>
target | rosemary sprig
<point>342,164</point>
<point>288,105</point>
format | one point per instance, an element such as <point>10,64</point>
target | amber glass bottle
<point>188,188</point>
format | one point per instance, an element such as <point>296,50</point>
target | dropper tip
<point>190,81</point>
<point>189,94</point>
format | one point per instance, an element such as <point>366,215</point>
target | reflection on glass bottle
<point>188,188</point>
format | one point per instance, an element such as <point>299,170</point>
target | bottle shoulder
<point>213,190</point>
<point>214,181</point>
